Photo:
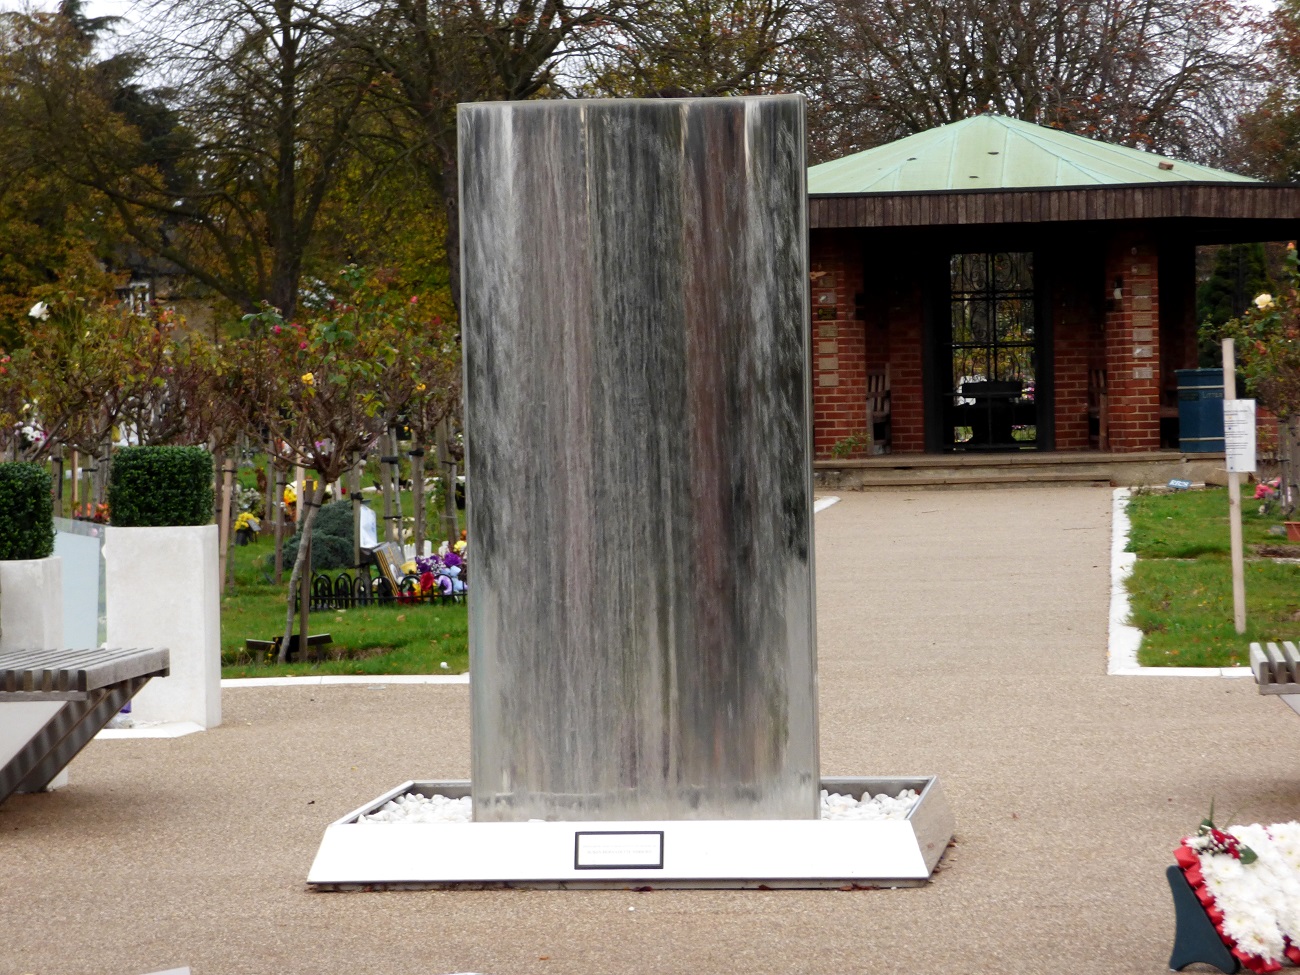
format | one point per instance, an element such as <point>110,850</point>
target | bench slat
<point>1281,672</point>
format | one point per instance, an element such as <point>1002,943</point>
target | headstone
<point>635,314</point>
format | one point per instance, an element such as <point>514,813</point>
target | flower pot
<point>31,604</point>
<point>1292,531</point>
<point>162,587</point>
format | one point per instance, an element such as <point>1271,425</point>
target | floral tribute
<point>1248,880</point>
<point>443,573</point>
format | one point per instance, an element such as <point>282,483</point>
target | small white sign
<point>1239,435</point>
<point>618,850</point>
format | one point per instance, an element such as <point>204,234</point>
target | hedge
<point>157,486</point>
<point>26,512</point>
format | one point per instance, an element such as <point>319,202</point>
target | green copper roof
<point>995,152</point>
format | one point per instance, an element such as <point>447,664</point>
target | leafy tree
<point>327,384</point>
<point>1240,273</point>
<point>1267,342</point>
<point>1269,133</point>
<point>223,174</point>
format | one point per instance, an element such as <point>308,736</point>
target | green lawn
<point>395,639</point>
<point>1181,587</point>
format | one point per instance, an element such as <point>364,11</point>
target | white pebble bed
<point>416,808</point>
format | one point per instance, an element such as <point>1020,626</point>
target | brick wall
<point>839,342</point>
<point>1132,343</point>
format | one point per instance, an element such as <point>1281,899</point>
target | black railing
<point>345,591</point>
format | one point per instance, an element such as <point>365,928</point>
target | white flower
<point>1264,302</point>
<point>40,311</point>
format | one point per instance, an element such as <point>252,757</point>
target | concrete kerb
<point>1124,639</point>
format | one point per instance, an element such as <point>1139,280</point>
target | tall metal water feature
<point>644,694</point>
<point>635,317</point>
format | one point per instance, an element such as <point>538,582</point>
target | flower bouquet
<point>1248,880</point>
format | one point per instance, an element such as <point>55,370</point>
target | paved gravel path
<point>961,632</point>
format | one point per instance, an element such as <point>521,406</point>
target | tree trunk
<point>301,566</point>
<point>76,483</point>
<point>1288,435</point>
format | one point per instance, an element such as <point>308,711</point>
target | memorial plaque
<point>618,850</point>
<point>1239,435</point>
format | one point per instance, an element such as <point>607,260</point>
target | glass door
<point>991,401</point>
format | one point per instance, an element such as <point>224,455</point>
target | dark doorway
<point>988,379</point>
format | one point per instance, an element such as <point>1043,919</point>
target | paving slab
<point>961,633</point>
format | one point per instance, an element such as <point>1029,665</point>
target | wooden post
<point>281,479</point>
<point>56,461</point>
<point>354,491</point>
<point>396,468</point>
<point>227,484</point>
<point>447,469</point>
<point>1234,501</point>
<point>417,494</point>
<point>304,604</point>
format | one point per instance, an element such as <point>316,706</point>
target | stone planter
<point>31,617</point>
<point>162,587</point>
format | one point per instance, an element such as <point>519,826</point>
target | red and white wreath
<point>1248,880</point>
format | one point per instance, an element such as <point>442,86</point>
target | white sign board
<point>1239,435</point>
<point>369,533</point>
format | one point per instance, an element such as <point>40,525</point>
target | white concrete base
<point>166,729</point>
<point>162,588</point>
<point>663,854</point>
<point>31,618</point>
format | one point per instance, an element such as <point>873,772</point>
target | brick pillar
<point>1133,343</point>
<point>839,354</point>
<point>906,349</point>
<point>1072,354</point>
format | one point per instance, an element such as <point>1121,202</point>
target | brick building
<point>1015,288</point>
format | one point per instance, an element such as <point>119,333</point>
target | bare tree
<point>703,48</point>
<point>1159,74</point>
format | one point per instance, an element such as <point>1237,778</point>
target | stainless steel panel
<point>637,427</point>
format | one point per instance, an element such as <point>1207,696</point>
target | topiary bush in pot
<point>153,487</point>
<point>26,515</point>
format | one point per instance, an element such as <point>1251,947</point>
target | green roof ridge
<point>999,152</point>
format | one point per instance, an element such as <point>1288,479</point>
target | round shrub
<point>331,538</point>
<point>26,514</point>
<point>150,487</point>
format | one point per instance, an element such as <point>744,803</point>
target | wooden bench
<point>271,648</point>
<point>86,688</point>
<point>1277,671</point>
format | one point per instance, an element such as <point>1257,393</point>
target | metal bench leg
<point>63,736</point>
<point>1195,939</point>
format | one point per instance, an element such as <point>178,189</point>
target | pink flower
<point>276,330</point>
<point>415,299</point>
<point>302,345</point>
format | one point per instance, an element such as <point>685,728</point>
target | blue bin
<point>1200,410</point>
